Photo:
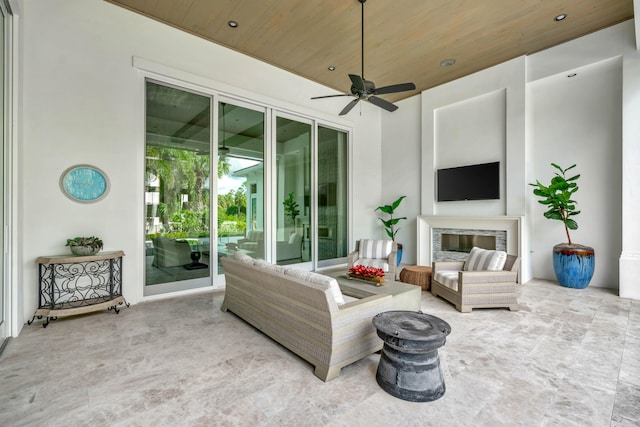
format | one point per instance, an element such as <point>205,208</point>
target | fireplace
<point>443,238</point>
<point>464,242</point>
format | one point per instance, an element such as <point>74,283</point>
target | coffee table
<point>405,297</point>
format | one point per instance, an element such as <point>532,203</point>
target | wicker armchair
<point>375,253</point>
<point>476,289</point>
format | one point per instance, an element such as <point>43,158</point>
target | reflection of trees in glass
<point>232,207</point>
<point>181,173</point>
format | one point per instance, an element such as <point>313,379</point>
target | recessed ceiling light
<point>572,75</point>
<point>560,17</point>
<point>447,62</point>
<point>233,24</point>
<point>331,68</point>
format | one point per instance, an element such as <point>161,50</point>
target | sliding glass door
<point>294,218</point>
<point>331,193</point>
<point>177,189</point>
<point>279,187</point>
<point>241,140</point>
<point>3,283</point>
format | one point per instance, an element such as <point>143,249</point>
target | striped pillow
<point>485,260</point>
<point>375,248</point>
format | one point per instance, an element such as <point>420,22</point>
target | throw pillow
<point>375,248</point>
<point>485,260</point>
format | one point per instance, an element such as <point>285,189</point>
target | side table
<point>71,285</point>
<point>417,275</point>
<point>409,366</point>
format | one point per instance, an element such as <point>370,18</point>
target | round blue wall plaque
<point>84,183</point>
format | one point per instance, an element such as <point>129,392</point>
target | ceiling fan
<point>366,90</point>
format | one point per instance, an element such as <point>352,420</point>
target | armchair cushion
<point>447,278</point>
<point>484,259</point>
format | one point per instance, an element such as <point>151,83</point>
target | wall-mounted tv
<point>474,182</point>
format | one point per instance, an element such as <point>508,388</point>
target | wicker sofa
<point>476,289</point>
<point>304,311</point>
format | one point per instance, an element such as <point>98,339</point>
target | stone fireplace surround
<point>497,225</point>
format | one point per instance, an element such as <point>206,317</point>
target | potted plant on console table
<point>573,263</point>
<point>389,224</point>
<point>84,246</point>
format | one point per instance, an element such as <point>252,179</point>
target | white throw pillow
<point>485,260</point>
<point>375,248</point>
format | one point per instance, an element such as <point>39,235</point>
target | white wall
<point>546,118</point>
<point>578,121</point>
<point>401,171</point>
<point>83,102</point>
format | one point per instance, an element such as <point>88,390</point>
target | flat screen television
<point>474,182</point>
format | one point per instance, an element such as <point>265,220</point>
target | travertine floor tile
<point>568,357</point>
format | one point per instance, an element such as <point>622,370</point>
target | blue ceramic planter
<point>573,265</point>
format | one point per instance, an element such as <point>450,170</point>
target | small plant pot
<point>573,264</point>
<point>84,250</point>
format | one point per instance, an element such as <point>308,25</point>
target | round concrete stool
<point>417,275</point>
<point>409,366</point>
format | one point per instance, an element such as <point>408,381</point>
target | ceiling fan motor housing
<point>369,88</point>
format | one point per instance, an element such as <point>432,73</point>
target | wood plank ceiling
<point>405,40</point>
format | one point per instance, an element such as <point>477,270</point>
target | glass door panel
<point>177,190</point>
<point>293,210</point>
<point>3,283</point>
<point>332,195</point>
<point>241,221</point>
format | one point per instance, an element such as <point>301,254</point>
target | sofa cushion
<point>484,259</point>
<point>373,249</point>
<point>319,279</point>
<point>447,278</point>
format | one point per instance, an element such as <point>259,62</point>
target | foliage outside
<point>557,197</point>
<point>389,224</point>
<point>183,173</point>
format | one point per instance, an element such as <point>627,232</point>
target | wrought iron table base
<point>72,285</point>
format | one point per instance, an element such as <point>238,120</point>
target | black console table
<point>71,285</point>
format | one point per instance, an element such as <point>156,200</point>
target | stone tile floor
<point>567,358</point>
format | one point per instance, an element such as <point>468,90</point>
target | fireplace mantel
<point>511,224</point>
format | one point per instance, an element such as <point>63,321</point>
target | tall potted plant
<point>573,263</point>
<point>391,222</point>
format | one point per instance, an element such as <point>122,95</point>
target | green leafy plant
<point>92,242</point>
<point>557,197</point>
<point>389,224</point>
<point>291,207</point>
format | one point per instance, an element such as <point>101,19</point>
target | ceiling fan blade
<point>382,103</point>
<point>358,82</point>
<point>349,106</point>
<point>332,96</point>
<point>395,88</point>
